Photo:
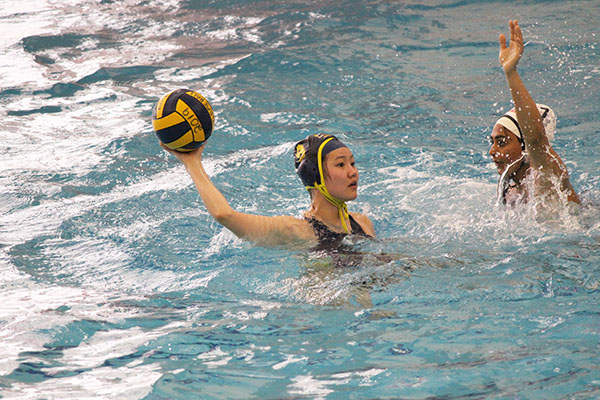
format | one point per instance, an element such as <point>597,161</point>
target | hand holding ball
<point>183,120</point>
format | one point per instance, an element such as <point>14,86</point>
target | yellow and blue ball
<point>183,120</point>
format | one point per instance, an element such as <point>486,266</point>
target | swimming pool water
<point>117,284</point>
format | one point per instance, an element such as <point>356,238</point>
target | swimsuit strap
<point>355,227</point>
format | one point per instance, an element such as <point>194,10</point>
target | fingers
<point>515,31</point>
<point>518,33</point>
<point>502,40</point>
<point>183,155</point>
<point>165,147</point>
<point>512,30</point>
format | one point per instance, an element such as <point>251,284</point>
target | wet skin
<point>341,175</point>
<point>505,148</point>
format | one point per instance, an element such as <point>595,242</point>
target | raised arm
<point>528,115</point>
<point>263,230</point>
<point>541,155</point>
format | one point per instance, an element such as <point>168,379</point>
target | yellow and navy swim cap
<point>309,155</point>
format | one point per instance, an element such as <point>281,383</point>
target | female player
<point>326,167</point>
<point>528,165</point>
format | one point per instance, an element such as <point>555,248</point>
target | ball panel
<point>202,109</point>
<point>158,110</point>
<point>184,150</point>
<point>190,114</point>
<point>170,120</point>
<point>184,140</point>
<point>172,133</point>
<point>171,101</point>
<point>204,102</point>
<point>190,146</point>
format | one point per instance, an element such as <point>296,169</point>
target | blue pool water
<point>117,284</point>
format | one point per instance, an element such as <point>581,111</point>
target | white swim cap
<point>509,121</point>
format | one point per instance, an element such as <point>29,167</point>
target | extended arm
<point>260,229</point>
<point>541,155</point>
<point>528,115</point>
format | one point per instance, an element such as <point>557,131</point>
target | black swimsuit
<point>330,240</point>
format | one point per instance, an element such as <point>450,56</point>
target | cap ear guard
<point>549,121</point>
<point>307,171</point>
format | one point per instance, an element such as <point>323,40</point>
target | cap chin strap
<point>341,205</point>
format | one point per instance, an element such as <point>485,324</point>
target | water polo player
<point>325,166</point>
<point>521,139</point>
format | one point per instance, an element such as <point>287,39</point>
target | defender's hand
<point>509,56</point>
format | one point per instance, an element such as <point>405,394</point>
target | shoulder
<point>549,166</point>
<point>290,230</point>
<point>365,223</point>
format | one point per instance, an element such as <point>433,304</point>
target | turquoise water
<point>117,284</point>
